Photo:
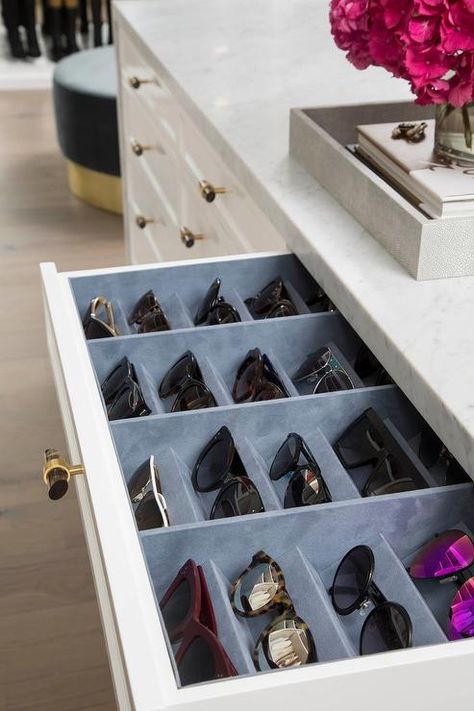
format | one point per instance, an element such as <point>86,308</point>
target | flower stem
<point>467,126</point>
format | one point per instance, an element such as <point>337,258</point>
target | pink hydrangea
<point>430,43</point>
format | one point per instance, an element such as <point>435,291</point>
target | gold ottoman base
<point>98,189</point>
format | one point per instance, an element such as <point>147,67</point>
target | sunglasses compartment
<point>181,289</point>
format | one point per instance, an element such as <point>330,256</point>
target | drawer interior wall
<point>307,542</point>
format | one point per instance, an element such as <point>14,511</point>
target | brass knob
<point>139,148</point>
<point>209,191</point>
<point>188,238</point>
<point>57,472</point>
<point>136,83</point>
<point>142,222</point>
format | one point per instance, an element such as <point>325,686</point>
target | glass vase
<point>454,132</point>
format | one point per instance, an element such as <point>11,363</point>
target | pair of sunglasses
<point>184,379</point>
<point>388,626</point>
<point>149,504</point>
<point>324,370</point>
<point>273,301</point>
<point>319,301</point>
<point>122,393</point>
<point>148,315</point>
<point>214,309</point>
<point>189,619</point>
<point>219,466</point>
<point>306,486</point>
<point>257,379</point>
<point>368,441</point>
<point>448,557</point>
<point>433,452</point>
<point>368,367</point>
<point>287,640</point>
<point>99,321</point>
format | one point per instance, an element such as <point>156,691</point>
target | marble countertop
<point>237,67</point>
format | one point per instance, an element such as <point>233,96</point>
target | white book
<point>440,189</point>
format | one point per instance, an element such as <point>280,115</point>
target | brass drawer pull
<point>139,148</point>
<point>57,472</point>
<point>188,238</point>
<point>142,222</point>
<point>209,192</point>
<point>136,83</point>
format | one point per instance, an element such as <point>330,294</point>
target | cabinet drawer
<point>147,143</point>
<point>308,542</point>
<point>234,207</point>
<point>147,87</point>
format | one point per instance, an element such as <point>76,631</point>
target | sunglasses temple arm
<point>375,594</point>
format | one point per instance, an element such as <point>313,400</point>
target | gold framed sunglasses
<point>99,321</point>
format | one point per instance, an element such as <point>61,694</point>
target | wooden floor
<point>52,652</point>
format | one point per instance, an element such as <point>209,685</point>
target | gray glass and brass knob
<point>57,473</point>
<point>142,221</point>
<point>136,82</point>
<point>209,191</point>
<point>188,238</point>
<point>139,148</point>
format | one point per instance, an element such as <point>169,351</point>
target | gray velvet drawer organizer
<point>307,542</point>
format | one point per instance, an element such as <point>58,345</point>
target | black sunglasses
<point>184,379</point>
<point>368,367</point>
<point>324,370</point>
<point>433,452</point>
<point>98,321</point>
<point>148,501</point>
<point>273,301</point>
<point>306,486</point>
<point>214,309</point>
<point>148,315</point>
<point>319,301</point>
<point>257,379</point>
<point>219,466</point>
<point>122,393</point>
<point>368,441</point>
<point>388,626</point>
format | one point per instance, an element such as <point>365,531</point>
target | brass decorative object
<point>209,191</point>
<point>57,473</point>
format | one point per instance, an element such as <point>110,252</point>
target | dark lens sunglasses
<point>103,325</point>
<point>189,618</point>
<point>448,557</point>
<point>257,380</point>
<point>306,486</point>
<point>433,452</point>
<point>273,301</point>
<point>319,301</point>
<point>220,467</point>
<point>388,626</point>
<point>324,370</point>
<point>184,379</point>
<point>368,441</point>
<point>214,310</point>
<point>368,367</point>
<point>148,315</point>
<point>148,501</point>
<point>285,642</point>
<point>122,393</point>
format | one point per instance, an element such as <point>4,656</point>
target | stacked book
<point>439,188</point>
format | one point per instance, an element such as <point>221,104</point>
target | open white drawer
<point>133,569</point>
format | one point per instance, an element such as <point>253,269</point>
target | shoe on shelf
<point>16,45</point>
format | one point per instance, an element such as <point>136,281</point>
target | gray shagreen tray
<point>428,248</point>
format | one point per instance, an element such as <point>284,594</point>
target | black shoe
<point>71,42</point>
<point>16,45</point>
<point>33,46</point>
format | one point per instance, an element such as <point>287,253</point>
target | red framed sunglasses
<point>189,618</point>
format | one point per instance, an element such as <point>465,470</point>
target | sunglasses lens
<point>177,608</point>
<point>113,382</point>
<point>256,588</point>
<point>461,614</point>
<point>179,372</point>
<point>154,321</point>
<point>313,363</point>
<point>147,513</point>
<point>269,295</point>
<point>387,627</point>
<point>282,309</point>
<point>286,458</point>
<point>269,391</point>
<point>285,643</point>
<point>447,554</point>
<point>238,498</point>
<point>246,380</point>
<point>352,579</point>
<point>129,402</point>
<point>305,489</point>
<point>222,313</point>
<point>194,396</point>
<point>94,328</point>
<point>208,302</point>
<point>197,664</point>
<point>334,381</point>
<point>215,461</point>
<point>388,479</point>
<point>139,481</point>
<point>366,364</point>
<point>145,304</point>
<point>360,444</point>
<point>430,447</point>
